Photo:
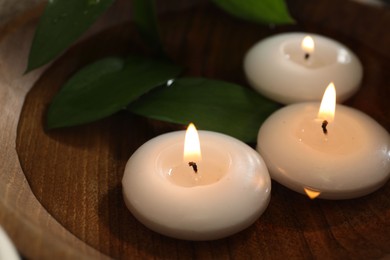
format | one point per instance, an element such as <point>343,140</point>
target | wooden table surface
<point>75,173</point>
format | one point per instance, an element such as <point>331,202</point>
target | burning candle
<point>314,150</point>
<point>294,67</point>
<point>218,187</point>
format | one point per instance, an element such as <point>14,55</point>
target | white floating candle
<point>206,196</point>
<point>293,67</point>
<point>342,158</point>
<point>7,249</point>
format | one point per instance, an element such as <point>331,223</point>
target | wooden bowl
<point>60,194</point>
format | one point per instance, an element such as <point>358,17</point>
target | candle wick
<point>324,124</point>
<point>194,166</point>
<point>307,56</point>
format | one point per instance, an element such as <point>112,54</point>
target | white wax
<point>352,160</point>
<point>7,249</point>
<point>276,67</point>
<point>229,192</point>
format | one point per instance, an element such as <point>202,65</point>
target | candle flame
<point>328,104</point>
<point>312,194</point>
<point>192,145</point>
<point>307,44</point>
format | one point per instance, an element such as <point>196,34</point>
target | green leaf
<point>145,18</point>
<point>106,87</point>
<point>210,104</point>
<point>259,11</point>
<point>62,22</point>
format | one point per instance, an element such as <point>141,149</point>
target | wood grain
<point>29,225</point>
<point>75,173</point>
